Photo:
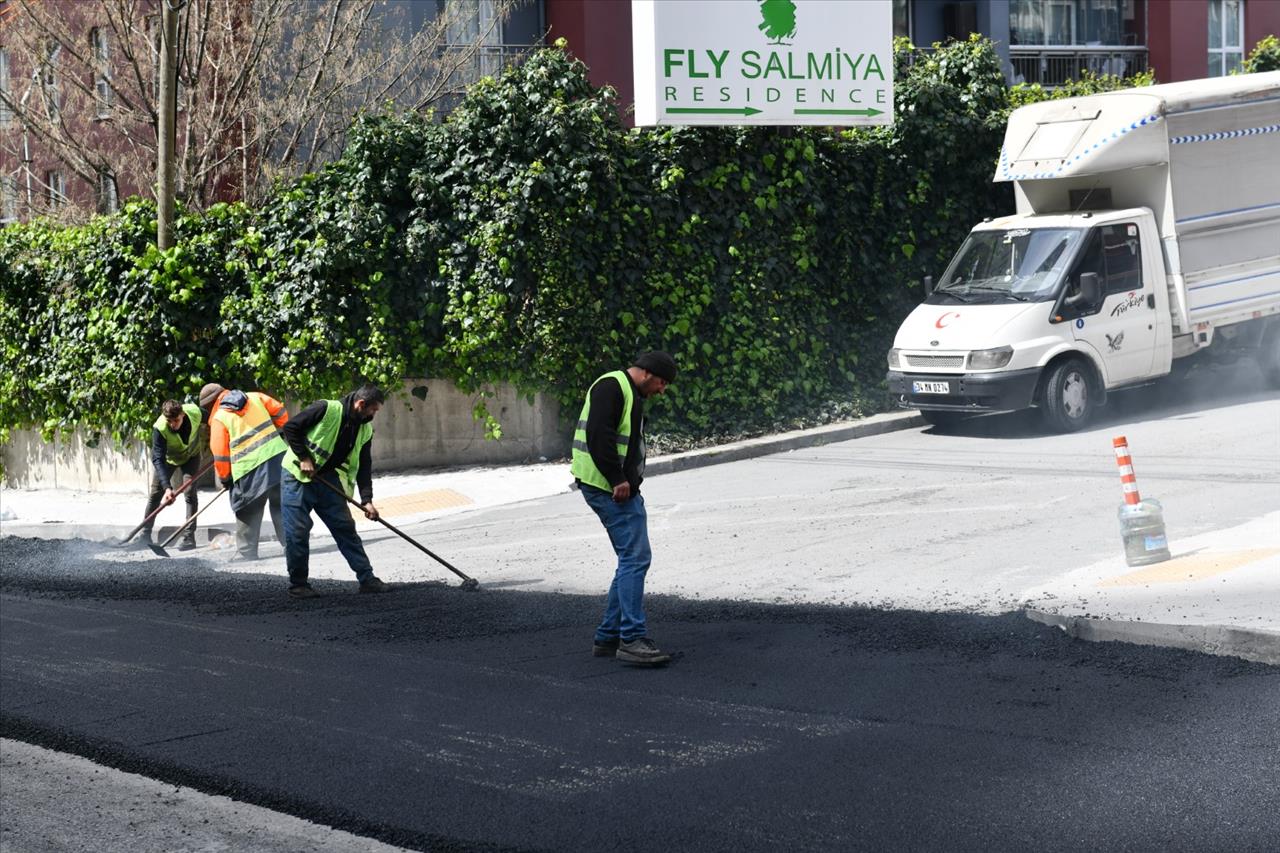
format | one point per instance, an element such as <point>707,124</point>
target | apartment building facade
<point>86,82</point>
<point>1040,41</point>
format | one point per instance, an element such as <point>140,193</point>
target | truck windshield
<point>1019,264</point>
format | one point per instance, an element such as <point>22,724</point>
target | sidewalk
<point>1219,594</point>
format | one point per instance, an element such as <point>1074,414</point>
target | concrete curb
<point>690,459</point>
<point>765,445</point>
<point>1255,645</point>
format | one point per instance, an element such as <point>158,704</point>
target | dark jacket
<point>160,451</point>
<point>602,434</point>
<point>295,433</point>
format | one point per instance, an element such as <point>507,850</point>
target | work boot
<point>303,590</point>
<point>641,650</point>
<point>373,584</point>
<point>605,648</point>
<point>187,545</point>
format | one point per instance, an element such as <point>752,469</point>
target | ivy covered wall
<point>530,239</point>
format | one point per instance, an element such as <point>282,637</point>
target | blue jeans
<point>298,500</point>
<point>628,528</point>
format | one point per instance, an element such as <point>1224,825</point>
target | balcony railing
<point>1053,66</point>
<point>488,60</point>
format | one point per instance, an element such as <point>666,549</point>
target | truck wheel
<point>1269,356</point>
<point>941,419</point>
<point>1066,403</point>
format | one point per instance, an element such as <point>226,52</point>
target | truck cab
<point>1147,231</point>
<point>1038,310</point>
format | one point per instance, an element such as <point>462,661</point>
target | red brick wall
<point>599,33</point>
<point>1261,19</point>
<point>1178,35</point>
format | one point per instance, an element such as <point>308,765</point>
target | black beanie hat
<point>658,363</point>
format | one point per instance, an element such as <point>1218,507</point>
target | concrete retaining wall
<point>409,434</point>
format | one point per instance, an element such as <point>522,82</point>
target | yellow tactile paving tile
<point>419,502</point>
<point>1192,567</point>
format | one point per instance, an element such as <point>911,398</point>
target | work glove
<point>226,482</point>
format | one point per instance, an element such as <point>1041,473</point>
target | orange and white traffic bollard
<point>1128,480</point>
<point>1141,521</point>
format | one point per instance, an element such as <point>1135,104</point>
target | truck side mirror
<point>1090,289</point>
<point>928,286</point>
<point>1089,294</point>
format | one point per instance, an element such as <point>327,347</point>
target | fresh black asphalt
<point>441,719</point>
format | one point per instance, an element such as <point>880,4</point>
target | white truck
<point>1147,231</point>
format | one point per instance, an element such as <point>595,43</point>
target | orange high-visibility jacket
<point>220,439</point>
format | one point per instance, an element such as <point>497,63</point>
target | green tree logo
<point>779,18</point>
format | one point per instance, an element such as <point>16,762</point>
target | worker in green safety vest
<point>329,455</point>
<point>178,439</point>
<point>608,464</point>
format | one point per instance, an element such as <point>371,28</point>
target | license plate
<point>931,387</point>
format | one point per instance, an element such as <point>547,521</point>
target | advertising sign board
<point>781,62</point>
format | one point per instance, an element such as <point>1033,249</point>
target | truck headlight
<point>894,361</point>
<point>990,359</point>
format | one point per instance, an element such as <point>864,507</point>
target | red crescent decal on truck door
<point>942,321</point>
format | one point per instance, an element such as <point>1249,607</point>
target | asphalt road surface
<point>826,696</point>
<point>435,718</point>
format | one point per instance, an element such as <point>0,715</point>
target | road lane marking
<point>414,503</point>
<point>1193,567</point>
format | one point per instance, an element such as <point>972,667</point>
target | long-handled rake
<point>160,549</point>
<point>468,583</point>
<point>187,483</point>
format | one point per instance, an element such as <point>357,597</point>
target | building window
<point>50,84</point>
<point>1226,41</point>
<point>56,188</point>
<point>101,71</point>
<point>1061,23</point>
<point>6,112</point>
<point>475,24</point>
<point>901,18</point>
<point>108,194</point>
<point>8,199</point>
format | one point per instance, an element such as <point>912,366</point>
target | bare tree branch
<point>267,88</point>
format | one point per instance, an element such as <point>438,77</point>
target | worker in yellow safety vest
<point>329,441</point>
<point>178,438</point>
<point>244,437</point>
<point>608,465</point>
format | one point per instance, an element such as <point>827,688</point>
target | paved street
<point>441,719</point>
<point>914,715</point>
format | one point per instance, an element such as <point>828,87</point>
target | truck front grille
<point>935,360</point>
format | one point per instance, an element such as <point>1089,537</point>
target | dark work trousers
<point>249,523</point>
<point>158,486</point>
<point>300,500</point>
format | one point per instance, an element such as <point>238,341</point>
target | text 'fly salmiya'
<point>832,77</point>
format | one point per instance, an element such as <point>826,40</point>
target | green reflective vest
<point>582,466</point>
<point>254,438</point>
<point>321,439</point>
<point>177,451</point>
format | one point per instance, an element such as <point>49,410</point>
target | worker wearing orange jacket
<point>247,448</point>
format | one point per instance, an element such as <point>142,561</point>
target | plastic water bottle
<point>1142,529</point>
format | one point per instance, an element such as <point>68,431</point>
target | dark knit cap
<point>658,363</point>
<point>208,394</point>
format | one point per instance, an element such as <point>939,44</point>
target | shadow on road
<point>1204,388</point>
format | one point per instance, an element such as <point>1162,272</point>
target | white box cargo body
<point>1181,185</point>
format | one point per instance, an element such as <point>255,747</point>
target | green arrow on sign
<point>867,112</point>
<point>724,111</point>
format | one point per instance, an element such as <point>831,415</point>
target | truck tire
<point>1269,356</point>
<point>1066,402</point>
